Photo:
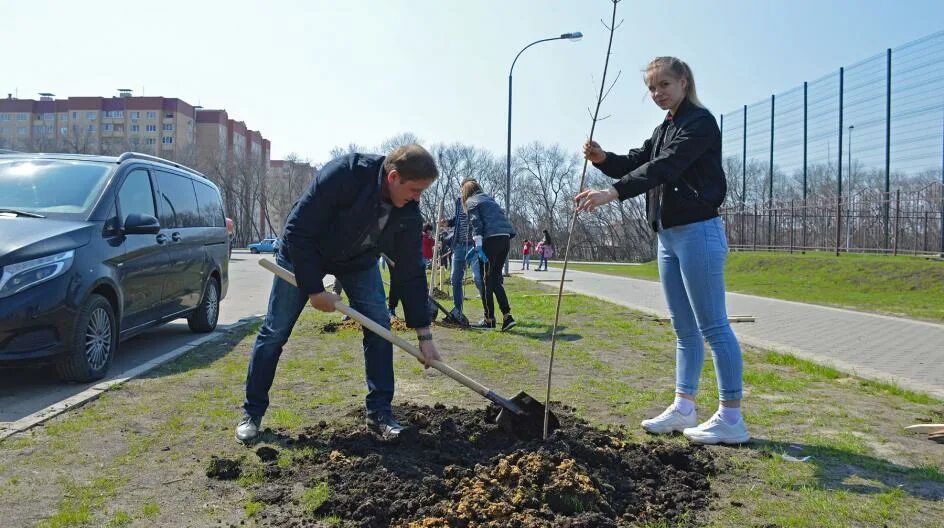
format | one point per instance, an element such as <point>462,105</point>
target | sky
<point>312,75</point>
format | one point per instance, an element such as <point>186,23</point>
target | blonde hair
<point>678,70</point>
<point>469,188</point>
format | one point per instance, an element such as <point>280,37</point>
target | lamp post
<point>575,36</point>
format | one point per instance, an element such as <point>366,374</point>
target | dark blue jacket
<point>486,217</point>
<point>683,157</point>
<point>326,232</point>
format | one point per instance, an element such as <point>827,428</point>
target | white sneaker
<point>717,431</point>
<point>670,421</point>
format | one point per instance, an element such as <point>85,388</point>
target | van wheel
<point>254,251</point>
<point>94,342</point>
<point>203,318</point>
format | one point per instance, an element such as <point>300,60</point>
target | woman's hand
<point>593,152</point>
<point>592,198</point>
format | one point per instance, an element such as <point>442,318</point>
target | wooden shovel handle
<point>289,277</point>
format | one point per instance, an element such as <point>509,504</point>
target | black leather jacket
<point>683,157</point>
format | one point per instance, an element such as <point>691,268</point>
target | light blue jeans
<point>459,263</point>
<point>691,267</point>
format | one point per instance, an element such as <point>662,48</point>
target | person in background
<point>462,242</point>
<point>545,252</point>
<point>428,244</point>
<point>679,170</point>
<point>526,255</point>
<point>492,234</point>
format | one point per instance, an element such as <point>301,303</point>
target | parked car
<point>266,245</point>
<point>96,249</point>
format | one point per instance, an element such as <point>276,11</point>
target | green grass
<point>906,286</point>
<point>612,365</point>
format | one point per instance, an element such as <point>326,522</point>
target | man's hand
<point>427,347</point>
<point>591,199</point>
<point>443,223</point>
<point>323,301</point>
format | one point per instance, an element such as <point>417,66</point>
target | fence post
<point>770,183</point>
<point>888,136</point>
<point>754,234</point>
<point>839,167</point>
<point>924,247</point>
<point>792,224</point>
<point>897,218</point>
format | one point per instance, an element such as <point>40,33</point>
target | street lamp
<point>573,37</point>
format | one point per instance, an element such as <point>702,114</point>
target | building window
<point>115,113</point>
<point>63,131</point>
<point>107,127</point>
<point>152,115</point>
<point>91,116</point>
<point>168,127</point>
<point>135,115</point>
<point>151,128</point>
<point>168,115</point>
<point>135,128</point>
<point>21,131</point>
<point>64,116</point>
<point>75,115</point>
<point>150,141</point>
<point>167,140</point>
<point>6,117</point>
<point>49,117</point>
<point>22,117</point>
<point>91,128</point>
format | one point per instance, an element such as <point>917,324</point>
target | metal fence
<point>854,224</point>
<point>853,161</point>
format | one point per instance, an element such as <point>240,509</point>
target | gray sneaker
<point>383,424</point>
<point>248,429</point>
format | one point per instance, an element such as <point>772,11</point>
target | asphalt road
<point>24,391</point>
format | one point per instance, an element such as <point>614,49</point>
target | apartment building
<point>285,182</point>
<point>100,125</point>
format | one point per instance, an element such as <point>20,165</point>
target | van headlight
<point>22,275</point>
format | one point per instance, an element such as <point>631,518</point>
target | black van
<point>96,249</point>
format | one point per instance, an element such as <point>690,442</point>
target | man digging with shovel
<point>357,206</point>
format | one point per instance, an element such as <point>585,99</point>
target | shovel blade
<point>525,417</point>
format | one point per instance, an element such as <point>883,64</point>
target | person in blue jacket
<point>679,170</point>
<point>491,234</point>
<point>358,206</point>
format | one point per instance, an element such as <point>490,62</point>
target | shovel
<point>522,414</point>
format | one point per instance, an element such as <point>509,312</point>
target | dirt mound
<point>454,468</point>
<point>396,325</point>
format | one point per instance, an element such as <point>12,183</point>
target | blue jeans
<point>459,263</point>
<point>542,264</point>
<point>691,267</point>
<point>366,294</point>
<point>526,262</point>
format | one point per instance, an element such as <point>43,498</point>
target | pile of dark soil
<point>396,325</point>
<point>454,468</point>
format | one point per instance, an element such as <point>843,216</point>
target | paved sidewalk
<point>905,352</point>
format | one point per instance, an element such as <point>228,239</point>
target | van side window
<point>136,195</point>
<point>211,207</point>
<point>178,201</point>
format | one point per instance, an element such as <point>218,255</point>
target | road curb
<point>92,393</point>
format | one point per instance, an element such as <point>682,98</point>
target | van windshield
<point>62,188</point>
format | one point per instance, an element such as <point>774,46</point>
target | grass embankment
<point>137,455</point>
<point>901,286</point>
